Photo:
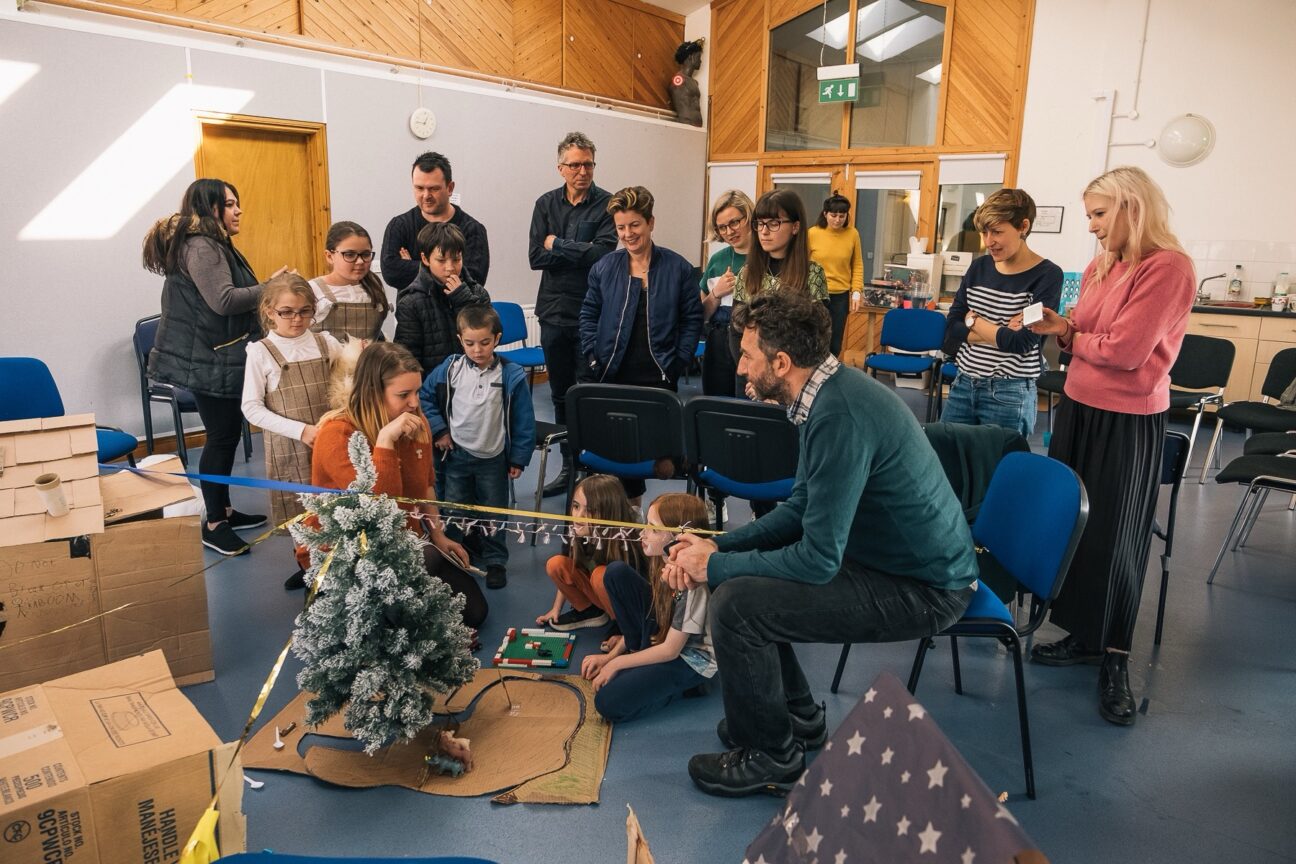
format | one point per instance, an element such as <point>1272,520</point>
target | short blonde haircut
<point>632,199</point>
<point>1140,199</point>
<point>1013,206</point>
<point>733,198</point>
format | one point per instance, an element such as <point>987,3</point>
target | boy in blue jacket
<point>479,408</point>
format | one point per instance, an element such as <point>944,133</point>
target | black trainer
<point>808,732</point>
<point>222,539</point>
<point>496,576</point>
<point>745,771</point>
<point>240,521</point>
<point>296,580</point>
<point>573,620</point>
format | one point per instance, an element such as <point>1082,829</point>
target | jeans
<point>640,690</point>
<point>1006,402</point>
<point>754,620</point>
<point>469,480</point>
<point>838,309</point>
<point>223,420</point>
<point>563,360</point>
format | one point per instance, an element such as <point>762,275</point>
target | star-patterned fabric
<point>890,787</point>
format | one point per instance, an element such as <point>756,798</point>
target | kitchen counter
<point>1252,312</point>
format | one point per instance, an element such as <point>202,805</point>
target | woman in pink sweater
<point>1124,335</point>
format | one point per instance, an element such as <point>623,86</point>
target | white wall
<point>102,128</point>
<point>697,25</point>
<point>1233,63</point>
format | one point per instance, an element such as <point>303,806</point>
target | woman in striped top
<point>999,359</point>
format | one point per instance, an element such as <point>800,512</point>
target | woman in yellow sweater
<point>835,245</point>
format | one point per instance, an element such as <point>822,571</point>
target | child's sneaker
<point>577,620</point>
<point>223,540</point>
<point>496,576</point>
<point>239,521</point>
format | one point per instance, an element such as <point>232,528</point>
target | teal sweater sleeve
<point>804,539</point>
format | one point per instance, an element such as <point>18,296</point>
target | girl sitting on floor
<point>666,650</point>
<point>579,571</point>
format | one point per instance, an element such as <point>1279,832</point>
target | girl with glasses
<point>285,389</point>
<point>349,299</point>
<point>731,224</point>
<point>779,260</point>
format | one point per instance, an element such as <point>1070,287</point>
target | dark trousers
<point>639,691</point>
<point>754,620</point>
<point>838,309</point>
<point>469,480</point>
<point>460,582</point>
<point>719,368</point>
<point>563,361</point>
<point>223,419</point>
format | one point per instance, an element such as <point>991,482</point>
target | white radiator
<point>532,325</point>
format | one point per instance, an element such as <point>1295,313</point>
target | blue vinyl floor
<point>1208,773</point>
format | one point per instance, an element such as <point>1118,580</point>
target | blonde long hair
<point>363,404</point>
<point>1147,214</point>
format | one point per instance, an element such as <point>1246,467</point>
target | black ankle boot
<point>1115,700</point>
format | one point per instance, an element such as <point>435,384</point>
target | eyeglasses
<point>731,225</point>
<point>771,225</point>
<point>350,255</point>
<point>577,167</point>
<point>291,314</point>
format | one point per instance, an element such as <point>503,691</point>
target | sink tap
<point>1202,294</point>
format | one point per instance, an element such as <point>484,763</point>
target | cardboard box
<point>111,765</point>
<point>46,586</point>
<point>66,446</point>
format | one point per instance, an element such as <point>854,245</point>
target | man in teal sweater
<point>872,546</point>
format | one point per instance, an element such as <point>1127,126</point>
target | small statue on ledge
<point>685,95</point>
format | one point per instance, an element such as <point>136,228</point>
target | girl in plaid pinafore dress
<point>350,301</point>
<point>285,389</point>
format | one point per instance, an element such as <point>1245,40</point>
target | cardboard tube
<point>50,489</point>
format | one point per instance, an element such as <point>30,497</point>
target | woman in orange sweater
<point>384,405</point>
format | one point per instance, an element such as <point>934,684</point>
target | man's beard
<point>772,387</point>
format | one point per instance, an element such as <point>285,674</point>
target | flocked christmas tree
<point>382,636</point>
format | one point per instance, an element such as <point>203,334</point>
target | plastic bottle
<point>1235,284</point>
<point>1279,302</point>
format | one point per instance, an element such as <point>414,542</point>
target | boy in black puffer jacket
<point>426,310</point>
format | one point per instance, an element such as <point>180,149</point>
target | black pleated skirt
<point>1118,456</point>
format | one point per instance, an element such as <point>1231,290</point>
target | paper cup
<point>50,489</point>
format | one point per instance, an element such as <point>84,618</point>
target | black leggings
<point>460,582</point>
<point>223,419</point>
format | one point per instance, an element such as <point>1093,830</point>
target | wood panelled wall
<point>623,49</point>
<point>984,81</point>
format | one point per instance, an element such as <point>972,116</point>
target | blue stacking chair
<point>622,430</point>
<point>513,322</point>
<point>914,331</point>
<point>1174,462</point>
<point>27,390</point>
<point>181,400</point>
<point>1030,520</point>
<point>948,372</point>
<point>740,448</point>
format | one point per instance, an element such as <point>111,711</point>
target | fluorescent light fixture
<point>13,75</point>
<point>134,168</point>
<point>880,16</point>
<point>833,34</point>
<point>932,75</point>
<point>900,39</point>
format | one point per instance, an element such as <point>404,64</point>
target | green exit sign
<point>839,90</point>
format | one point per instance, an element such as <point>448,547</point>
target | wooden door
<point>280,172</point>
<point>655,41</point>
<point>596,53</point>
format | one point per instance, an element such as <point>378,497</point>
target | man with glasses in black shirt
<point>570,230</point>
